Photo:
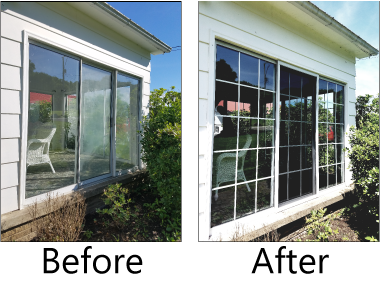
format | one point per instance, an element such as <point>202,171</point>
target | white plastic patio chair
<point>38,148</point>
<point>226,164</point>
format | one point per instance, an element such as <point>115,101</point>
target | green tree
<point>161,152</point>
<point>364,163</point>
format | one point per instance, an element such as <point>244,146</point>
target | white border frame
<point>29,37</point>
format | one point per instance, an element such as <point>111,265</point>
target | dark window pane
<point>322,177</point>
<point>284,107</point>
<point>224,167</point>
<point>226,99</point>
<point>265,164</point>
<point>331,92</point>
<point>308,87</point>
<point>284,131</point>
<point>227,64</point>
<point>282,188</point>
<point>322,155</point>
<point>307,181</point>
<point>340,173</point>
<point>307,133</point>
<point>332,175</point>
<point>307,111</point>
<point>266,104</point>
<point>294,185</point>
<point>339,133</point>
<point>295,133</point>
<point>295,84</point>
<point>339,113</point>
<point>339,94</point>
<point>322,111</point>
<point>245,199</point>
<point>222,205</point>
<point>246,169</point>
<point>322,133</point>
<point>248,102</point>
<point>266,133</point>
<point>284,81</point>
<point>247,133</point>
<point>264,194</point>
<point>294,158</point>
<point>249,68</point>
<point>225,133</point>
<point>339,153</point>
<point>295,109</point>
<point>307,157</point>
<point>267,75</point>
<point>331,152</point>
<point>322,90</point>
<point>283,160</point>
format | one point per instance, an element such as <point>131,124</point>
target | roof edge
<point>333,24</point>
<point>127,21</point>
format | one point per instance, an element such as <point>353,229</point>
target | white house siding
<point>62,25</point>
<point>267,33</point>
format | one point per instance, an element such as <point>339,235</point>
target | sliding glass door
<point>297,96</point>
<point>95,123</point>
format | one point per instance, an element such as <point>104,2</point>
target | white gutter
<point>127,21</point>
<point>333,24</point>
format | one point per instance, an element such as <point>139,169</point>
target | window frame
<point>32,38</point>
<point>217,39</point>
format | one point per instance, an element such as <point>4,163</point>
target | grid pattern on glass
<point>296,117</point>
<point>330,134</point>
<point>243,151</point>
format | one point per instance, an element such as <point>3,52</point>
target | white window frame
<point>219,39</point>
<point>90,59</point>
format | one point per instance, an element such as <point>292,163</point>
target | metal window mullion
<point>277,139</point>
<point>258,132</point>
<point>79,124</point>
<point>301,140</point>
<point>237,140</point>
<point>315,140</point>
<point>287,178</point>
<point>113,122</point>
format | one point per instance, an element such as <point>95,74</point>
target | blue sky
<point>163,20</point>
<point>362,17</point>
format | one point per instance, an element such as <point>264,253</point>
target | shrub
<point>161,152</point>
<point>364,162</point>
<point>64,218</point>
<point>118,205</point>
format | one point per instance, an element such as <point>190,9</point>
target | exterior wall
<point>64,26</point>
<point>260,32</point>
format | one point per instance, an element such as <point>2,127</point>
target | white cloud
<point>347,12</point>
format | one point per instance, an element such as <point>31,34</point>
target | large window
<point>243,158</point>
<point>243,166</point>
<point>70,129</point>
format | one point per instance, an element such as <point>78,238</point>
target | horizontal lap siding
<point>10,121</point>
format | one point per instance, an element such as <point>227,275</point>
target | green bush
<point>118,206</point>
<point>161,152</point>
<point>364,157</point>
